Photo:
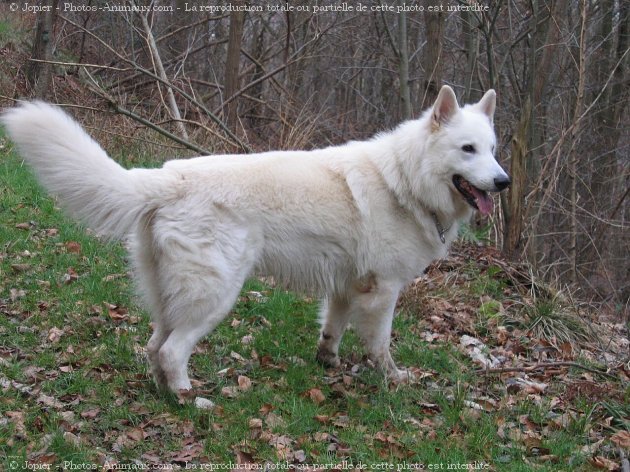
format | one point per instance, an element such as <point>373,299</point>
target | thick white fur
<point>352,223</point>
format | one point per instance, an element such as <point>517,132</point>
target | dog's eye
<point>468,148</point>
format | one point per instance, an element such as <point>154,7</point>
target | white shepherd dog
<point>353,223</point>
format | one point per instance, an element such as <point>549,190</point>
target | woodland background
<point>237,81</point>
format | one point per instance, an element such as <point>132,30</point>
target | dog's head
<point>465,142</point>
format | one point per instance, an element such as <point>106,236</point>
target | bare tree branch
<point>184,94</point>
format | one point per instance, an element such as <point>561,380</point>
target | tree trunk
<point>520,166</point>
<point>39,74</point>
<point>470,38</point>
<point>232,82</point>
<point>573,155</point>
<point>607,122</point>
<point>403,66</point>
<point>432,57</point>
<point>513,209</point>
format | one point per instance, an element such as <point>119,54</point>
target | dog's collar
<point>440,229</point>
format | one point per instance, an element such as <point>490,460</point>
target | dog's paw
<point>160,381</point>
<point>401,376</point>
<point>328,358</point>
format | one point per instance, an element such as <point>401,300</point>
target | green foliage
<point>490,309</point>
<point>552,319</point>
<point>476,235</point>
<point>488,283</point>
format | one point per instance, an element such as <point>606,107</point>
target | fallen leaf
<point>72,438</point>
<point>15,294</point>
<point>21,267</point>
<point>73,247</point>
<point>228,372</point>
<point>603,463</point>
<point>49,401</point>
<point>151,457</point>
<point>190,452</point>
<point>54,334</point>
<point>478,352</point>
<point>323,419</point>
<point>502,335</point>
<point>110,277</point>
<point>17,418</point>
<point>90,414</point>
<point>255,423</point>
<point>321,436</point>
<point>591,449</point>
<point>274,421</point>
<point>230,392</point>
<point>117,313</point>
<point>515,384</point>
<point>244,383</point>
<point>283,448</point>
<point>299,456</point>
<point>341,420</point>
<point>295,360</point>
<point>135,434</point>
<point>237,357</point>
<point>621,439</point>
<point>385,438</point>
<point>42,459</point>
<point>67,416</point>
<point>244,459</point>
<point>69,277</point>
<point>316,395</point>
<point>139,408</point>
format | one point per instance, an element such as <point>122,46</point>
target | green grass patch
<point>75,384</point>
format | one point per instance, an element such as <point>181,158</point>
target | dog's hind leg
<point>201,271</point>
<point>146,268</point>
<point>159,336</point>
<point>334,315</point>
<point>192,314</point>
<point>175,352</point>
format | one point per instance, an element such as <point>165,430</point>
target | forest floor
<point>511,374</point>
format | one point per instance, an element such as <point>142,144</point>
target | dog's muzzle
<point>478,198</point>
<point>501,183</point>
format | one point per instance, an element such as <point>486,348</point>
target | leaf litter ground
<point>510,374</point>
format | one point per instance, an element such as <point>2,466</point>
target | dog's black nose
<point>502,183</point>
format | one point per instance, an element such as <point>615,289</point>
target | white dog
<point>354,223</point>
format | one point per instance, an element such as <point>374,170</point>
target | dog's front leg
<point>334,316</point>
<point>373,323</point>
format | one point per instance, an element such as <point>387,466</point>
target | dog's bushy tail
<point>73,167</point>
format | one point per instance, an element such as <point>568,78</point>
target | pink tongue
<point>483,200</point>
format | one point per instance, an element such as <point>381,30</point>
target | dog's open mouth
<point>476,198</point>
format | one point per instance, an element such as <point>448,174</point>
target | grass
<point>549,319</point>
<point>75,385</point>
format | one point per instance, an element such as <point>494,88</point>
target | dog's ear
<point>488,103</point>
<point>444,108</point>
